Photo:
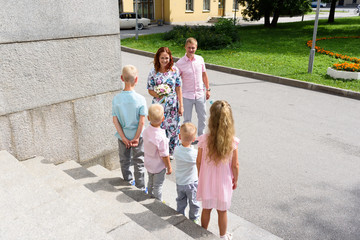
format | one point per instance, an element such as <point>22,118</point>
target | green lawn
<point>281,51</point>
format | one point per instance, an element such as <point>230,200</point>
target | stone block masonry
<point>60,67</point>
<point>36,74</point>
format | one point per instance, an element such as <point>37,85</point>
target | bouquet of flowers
<point>162,90</point>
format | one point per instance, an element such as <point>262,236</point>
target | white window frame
<point>206,5</point>
<point>189,5</point>
<point>234,5</point>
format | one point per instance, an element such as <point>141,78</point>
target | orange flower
<point>336,55</point>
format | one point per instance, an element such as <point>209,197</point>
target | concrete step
<point>109,217</point>
<point>213,20</point>
<point>31,209</point>
<point>240,228</point>
<point>137,212</point>
<point>162,210</point>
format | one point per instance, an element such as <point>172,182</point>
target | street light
<point>312,51</point>
<point>236,3</point>
<point>136,22</point>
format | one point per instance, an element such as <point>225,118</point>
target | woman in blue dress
<point>164,72</point>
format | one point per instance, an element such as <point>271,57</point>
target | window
<point>120,6</point>
<point>235,5</point>
<point>189,5</point>
<point>206,5</point>
<point>145,8</point>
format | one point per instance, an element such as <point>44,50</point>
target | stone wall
<point>60,66</point>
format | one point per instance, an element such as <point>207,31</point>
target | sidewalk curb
<point>266,77</point>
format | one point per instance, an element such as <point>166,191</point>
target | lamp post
<point>136,22</point>
<point>312,51</point>
<point>236,4</point>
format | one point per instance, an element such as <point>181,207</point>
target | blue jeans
<point>187,193</point>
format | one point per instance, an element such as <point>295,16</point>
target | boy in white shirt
<point>156,150</point>
<point>186,172</point>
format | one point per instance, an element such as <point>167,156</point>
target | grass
<point>325,11</point>
<point>280,52</point>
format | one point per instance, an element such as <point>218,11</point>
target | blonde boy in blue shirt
<point>129,111</point>
<point>186,172</point>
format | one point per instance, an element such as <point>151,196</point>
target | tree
<point>256,9</point>
<point>331,18</point>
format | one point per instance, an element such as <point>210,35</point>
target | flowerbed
<point>336,55</point>
<point>352,67</point>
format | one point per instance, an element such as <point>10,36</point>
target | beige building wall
<point>178,11</point>
<point>174,11</point>
<point>128,6</point>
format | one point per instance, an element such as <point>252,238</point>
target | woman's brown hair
<point>157,61</point>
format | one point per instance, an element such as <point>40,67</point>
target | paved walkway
<point>299,155</point>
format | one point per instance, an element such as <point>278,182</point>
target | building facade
<point>348,2</point>
<point>181,11</point>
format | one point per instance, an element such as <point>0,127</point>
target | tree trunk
<point>275,18</point>
<point>267,18</point>
<point>331,18</point>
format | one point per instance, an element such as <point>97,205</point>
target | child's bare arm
<point>121,133</point>
<point>135,140</point>
<point>198,160</point>
<point>235,168</point>
<point>167,164</point>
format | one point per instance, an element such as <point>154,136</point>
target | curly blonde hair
<point>221,131</point>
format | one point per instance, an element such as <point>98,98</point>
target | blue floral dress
<point>170,103</point>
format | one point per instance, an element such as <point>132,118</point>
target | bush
<point>222,35</point>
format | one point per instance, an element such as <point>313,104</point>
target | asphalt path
<point>299,155</point>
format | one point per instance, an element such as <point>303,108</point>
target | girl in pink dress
<point>218,166</point>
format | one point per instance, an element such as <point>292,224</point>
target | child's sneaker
<point>197,221</point>
<point>227,236</point>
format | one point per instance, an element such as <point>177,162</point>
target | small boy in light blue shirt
<point>129,111</point>
<point>186,172</point>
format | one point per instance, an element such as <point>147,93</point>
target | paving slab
<point>163,210</point>
<point>31,209</point>
<point>132,209</point>
<point>107,216</point>
<point>241,228</point>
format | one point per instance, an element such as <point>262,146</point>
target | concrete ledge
<point>94,126</point>
<point>5,136</point>
<point>29,20</point>
<point>266,77</point>
<point>342,74</point>
<point>48,131</point>
<point>37,74</point>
